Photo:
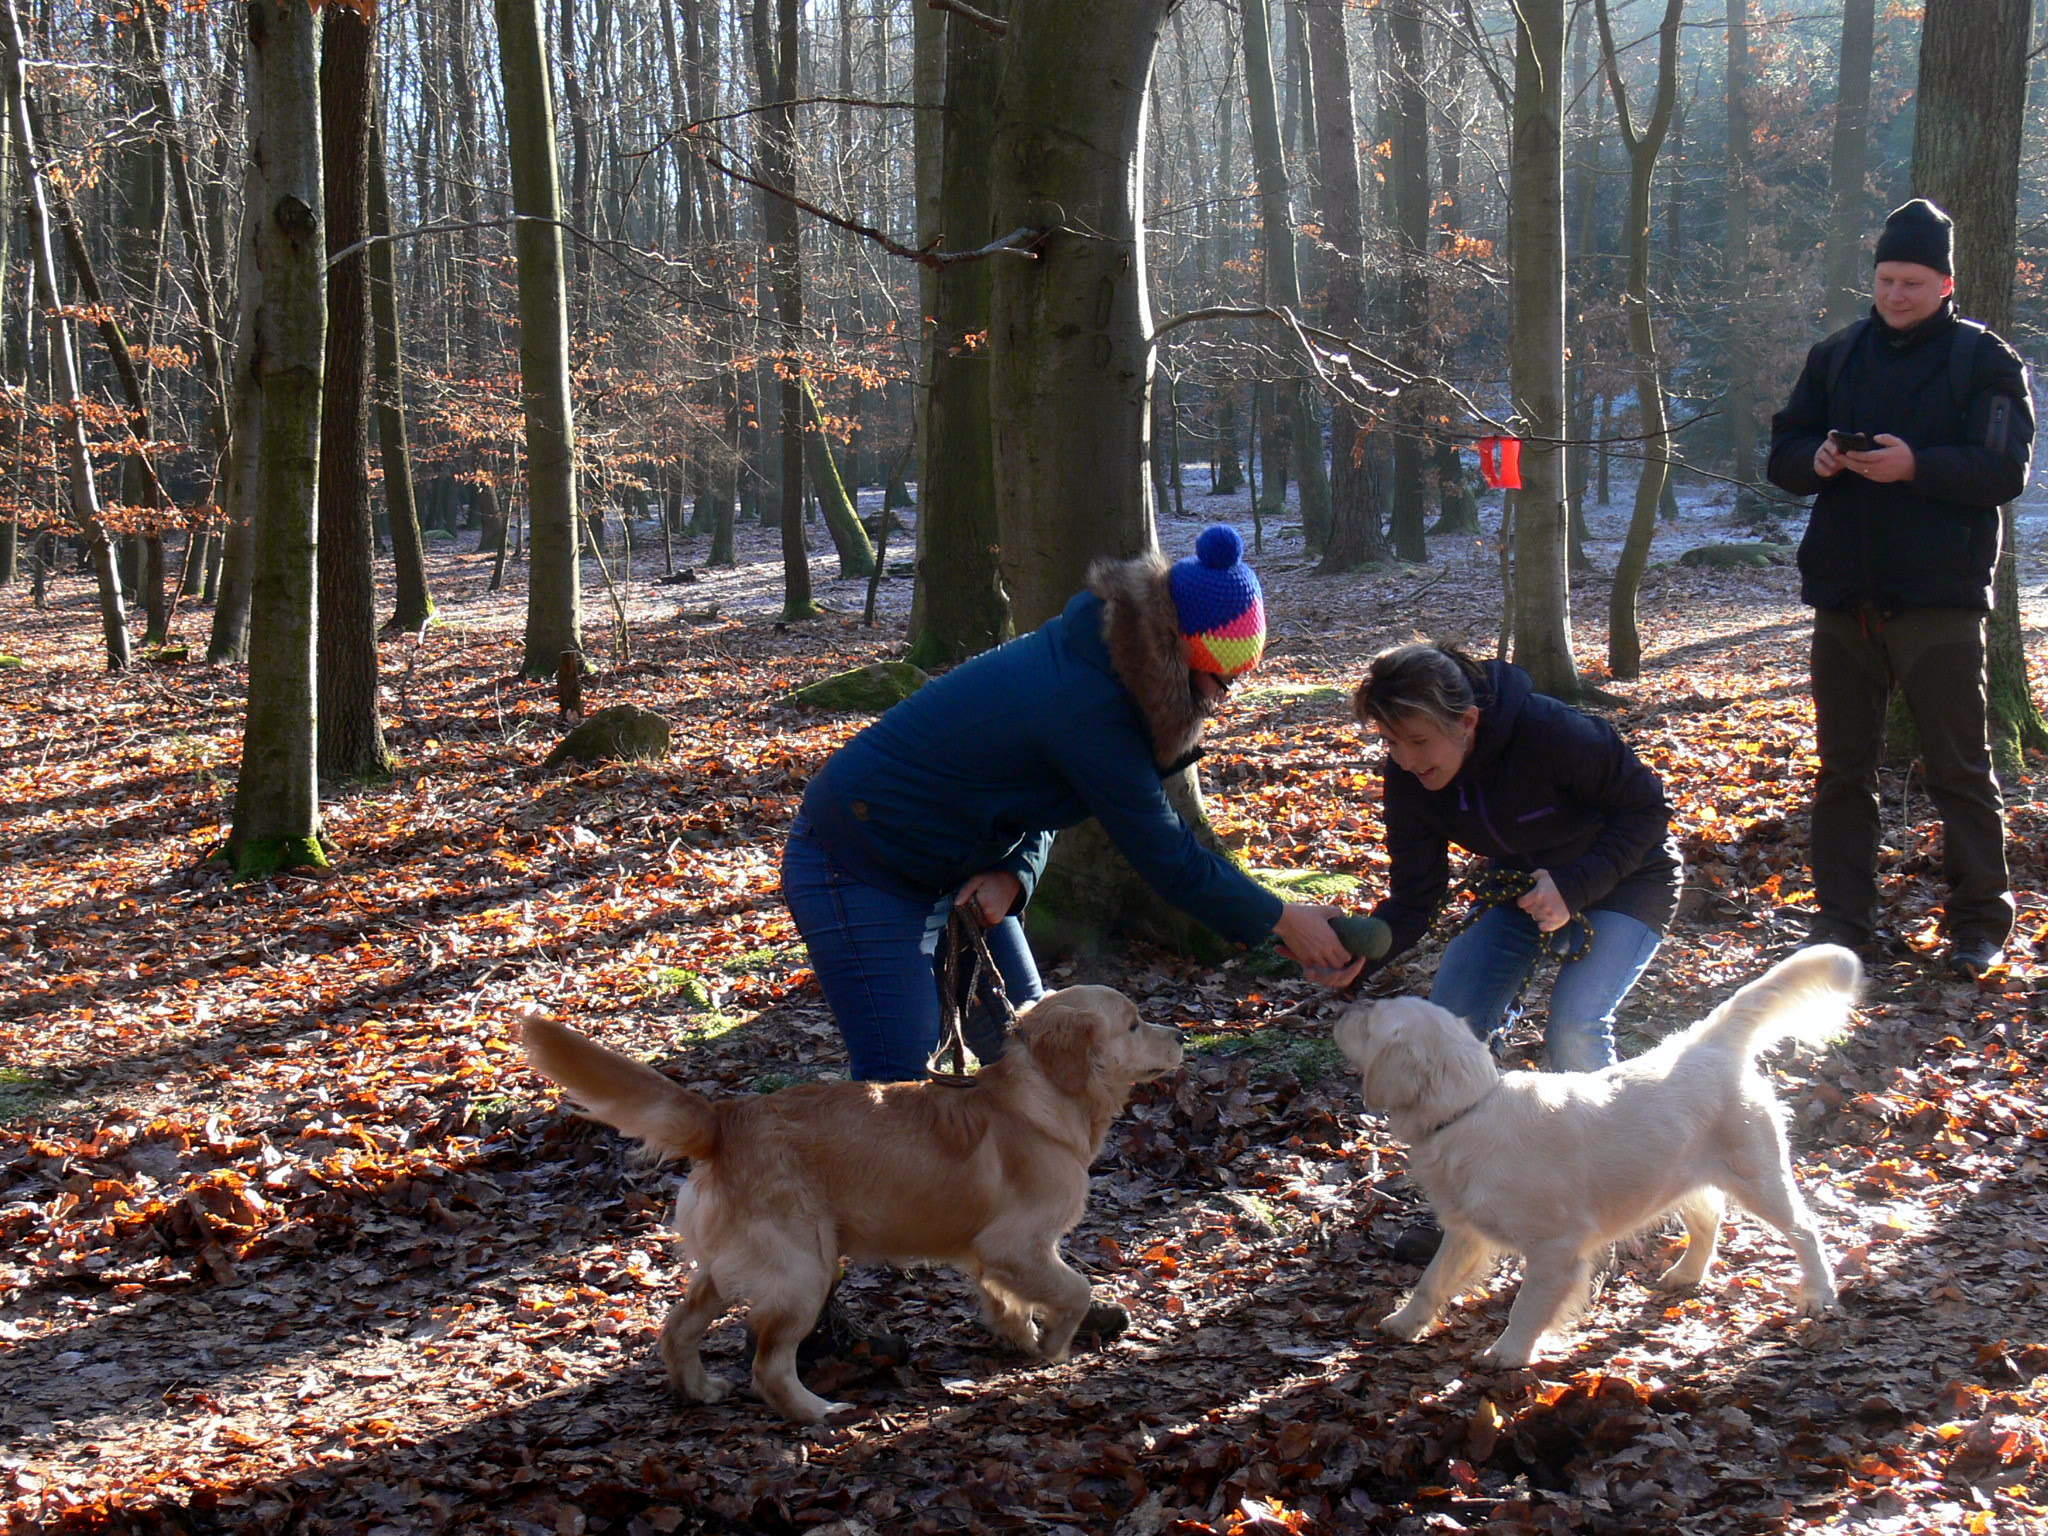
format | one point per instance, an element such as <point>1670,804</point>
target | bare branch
<point>1018,242</point>
<point>981,19</point>
<point>1333,364</point>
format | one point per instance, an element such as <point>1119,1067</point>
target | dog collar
<point>1461,1114</point>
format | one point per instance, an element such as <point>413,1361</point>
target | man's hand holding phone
<point>1881,457</point>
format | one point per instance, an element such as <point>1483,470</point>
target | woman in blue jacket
<point>951,798</point>
<point>1477,757</point>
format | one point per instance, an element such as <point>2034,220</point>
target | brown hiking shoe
<point>1103,1322</point>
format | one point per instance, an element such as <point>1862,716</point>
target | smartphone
<point>1853,442</point>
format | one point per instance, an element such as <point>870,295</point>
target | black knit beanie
<point>1919,232</point>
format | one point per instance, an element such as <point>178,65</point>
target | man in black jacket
<point>1909,428</point>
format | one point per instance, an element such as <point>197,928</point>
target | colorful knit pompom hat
<point>1222,615</point>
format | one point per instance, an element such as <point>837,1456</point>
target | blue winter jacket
<point>977,769</point>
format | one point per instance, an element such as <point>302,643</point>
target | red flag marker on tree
<point>1500,462</point>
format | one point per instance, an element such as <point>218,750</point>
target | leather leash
<point>966,949</point>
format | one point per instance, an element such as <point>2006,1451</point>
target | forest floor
<point>290,1239</point>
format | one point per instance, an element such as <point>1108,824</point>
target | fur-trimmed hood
<point>1141,629</point>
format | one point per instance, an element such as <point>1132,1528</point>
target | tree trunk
<point>351,735</point>
<point>1457,507</point>
<point>199,237</point>
<point>929,71</point>
<point>1410,171</point>
<point>1741,358</point>
<point>138,258</point>
<point>775,67</point>
<point>1848,295</point>
<point>228,643</point>
<point>13,326</point>
<point>961,607</point>
<point>84,493</point>
<point>1624,642</point>
<point>554,588</point>
<point>842,518</point>
<point>1542,593</point>
<point>414,604</point>
<point>1354,519</point>
<point>277,801</point>
<point>1071,364</point>
<point>1293,402</point>
<point>1071,367</point>
<point>1966,157</point>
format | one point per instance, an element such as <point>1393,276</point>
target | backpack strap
<point>1962,363</point>
<point>1850,337</point>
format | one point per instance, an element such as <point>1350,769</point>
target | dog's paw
<point>805,1407</point>
<point>1819,1303</point>
<point>710,1389</point>
<point>1495,1357</point>
<point>1404,1325</point>
<point>697,1385</point>
<point>1018,1333</point>
<point>1676,1280</point>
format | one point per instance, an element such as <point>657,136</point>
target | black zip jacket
<point>1928,542</point>
<point>1545,787</point>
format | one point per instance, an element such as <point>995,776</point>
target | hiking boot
<point>1101,1323</point>
<point>1418,1244</point>
<point>835,1337</point>
<point>1969,959</point>
<point>1861,942</point>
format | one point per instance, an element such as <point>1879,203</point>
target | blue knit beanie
<point>1221,610</point>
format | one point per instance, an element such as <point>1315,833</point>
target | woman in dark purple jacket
<point>1477,757</point>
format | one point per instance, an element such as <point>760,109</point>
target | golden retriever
<point>986,1176</point>
<point>1556,1165</point>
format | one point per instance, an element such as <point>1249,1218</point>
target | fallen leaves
<point>288,1236</point>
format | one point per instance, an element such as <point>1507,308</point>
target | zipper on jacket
<point>1996,429</point>
<point>1486,820</point>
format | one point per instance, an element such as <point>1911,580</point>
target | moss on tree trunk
<point>258,858</point>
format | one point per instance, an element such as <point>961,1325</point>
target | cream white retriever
<point>1556,1165</point>
<point>987,1177</point>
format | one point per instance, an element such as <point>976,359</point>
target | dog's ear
<point>1062,1041</point>
<point>1393,1073</point>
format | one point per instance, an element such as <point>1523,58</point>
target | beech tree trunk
<point>1624,641</point>
<point>1071,363</point>
<point>1410,171</point>
<point>83,491</point>
<point>775,67</point>
<point>1966,157</point>
<point>277,801</point>
<point>842,518</point>
<point>1355,535</point>
<point>554,594</point>
<point>1740,361</point>
<point>1071,370</point>
<point>961,608</point>
<point>1848,288</point>
<point>1542,586</point>
<point>414,604</point>
<point>351,734</point>
<point>1293,400</point>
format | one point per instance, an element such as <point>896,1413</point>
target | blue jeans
<point>876,955</point>
<point>1484,967</point>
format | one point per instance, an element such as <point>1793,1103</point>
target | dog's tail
<point>623,1092</point>
<point>1806,995</point>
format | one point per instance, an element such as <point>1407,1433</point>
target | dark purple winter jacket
<point>1545,787</point>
